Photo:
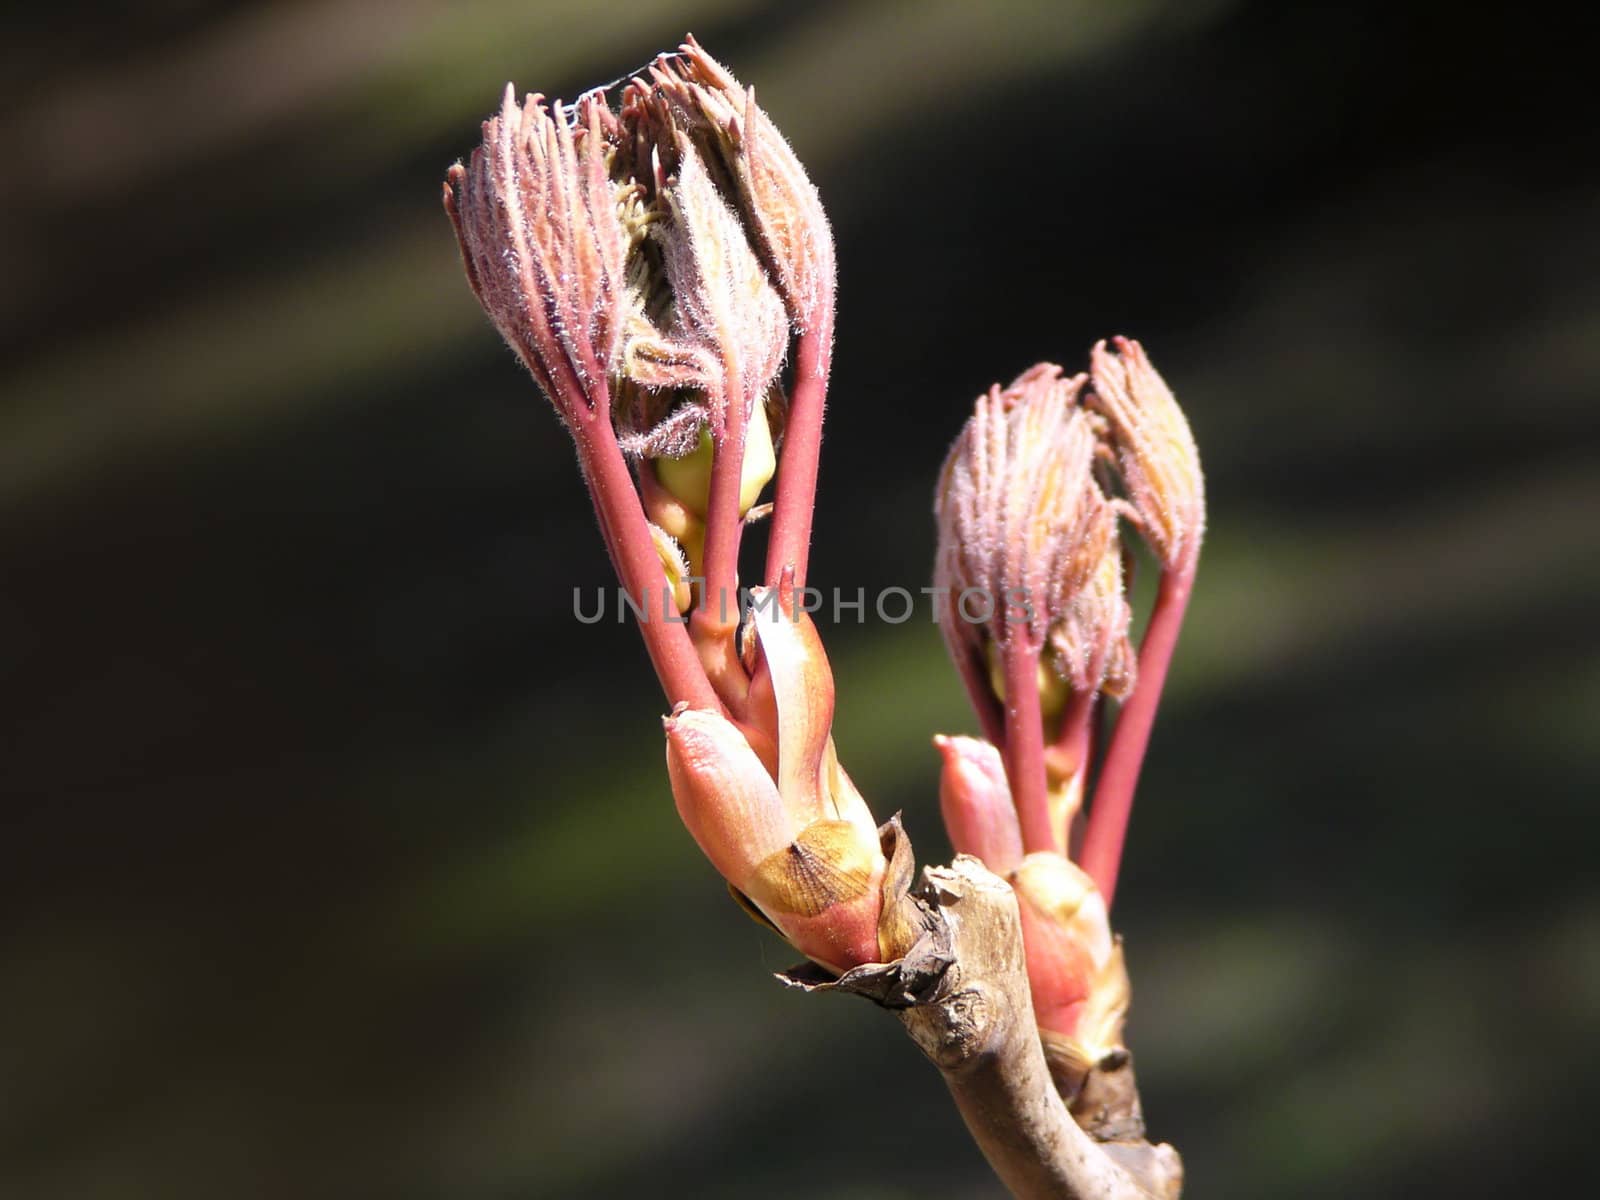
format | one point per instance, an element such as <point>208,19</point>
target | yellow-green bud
<point>689,478</point>
<point>1053,689</point>
<point>675,565</point>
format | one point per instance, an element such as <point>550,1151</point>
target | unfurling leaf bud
<point>723,301</point>
<point>1091,650</point>
<point>536,215</point>
<point>776,199</point>
<point>1018,533</point>
<point>708,336</point>
<point>1155,451</point>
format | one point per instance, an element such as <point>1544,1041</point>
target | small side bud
<point>1155,451</point>
<point>727,801</point>
<point>1075,966</point>
<point>975,801</point>
<point>820,872</point>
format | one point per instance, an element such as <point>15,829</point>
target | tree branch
<point>962,995</point>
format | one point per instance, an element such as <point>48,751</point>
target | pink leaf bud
<point>771,807</point>
<point>975,801</point>
<point>728,801</point>
<point>775,197</point>
<point>1090,642</point>
<point>536,215</point>
<point>1017,523</point>
<point>723,301</point>
<point>1075,967</point>
<point>1155,451</point>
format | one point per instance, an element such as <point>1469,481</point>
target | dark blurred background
<point>338,860</point>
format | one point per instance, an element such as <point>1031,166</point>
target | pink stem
<point>723,522</point>
<point>1069,757</point>
<point>789,543</point>
<point>1072,740</point>
<point>1024,746</point>
<point>1119,773</point>
<point>633,553</point>
<point>975,678</point>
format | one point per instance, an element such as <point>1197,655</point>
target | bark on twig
<point>962,995</point>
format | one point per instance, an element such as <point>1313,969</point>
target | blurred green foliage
<point>339,861</point>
